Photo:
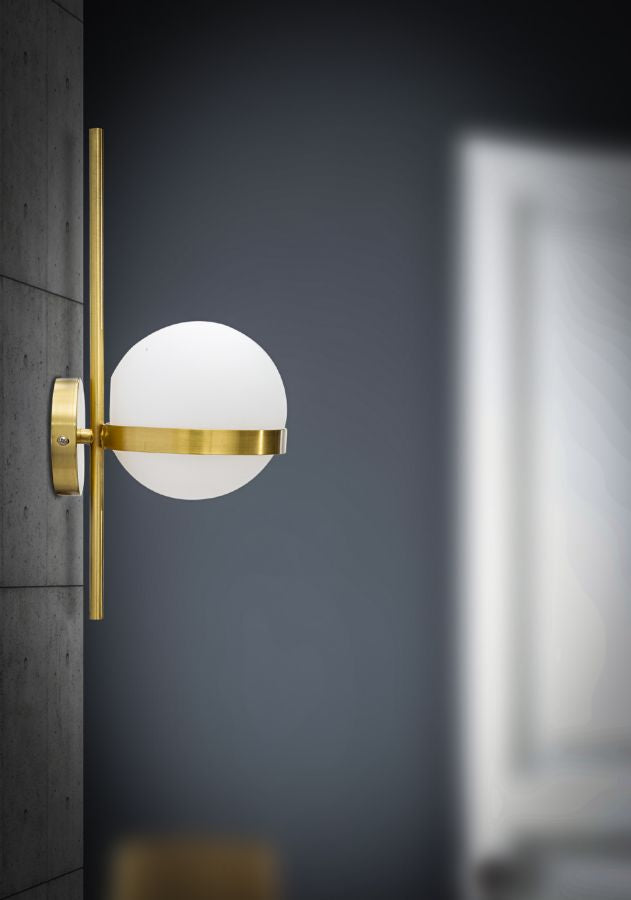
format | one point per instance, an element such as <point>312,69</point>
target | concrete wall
<point>41,563</point>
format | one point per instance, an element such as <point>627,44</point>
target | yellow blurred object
<point>194,869</point>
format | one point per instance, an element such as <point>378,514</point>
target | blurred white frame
<point>545,515</point>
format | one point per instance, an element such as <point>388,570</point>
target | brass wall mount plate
<point>66,419</point>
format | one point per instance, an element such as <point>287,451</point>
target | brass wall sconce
<point>207,404</point>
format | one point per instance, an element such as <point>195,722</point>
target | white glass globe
<point>196,375</point>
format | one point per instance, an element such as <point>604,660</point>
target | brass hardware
<point>66,436</point>
<point>84,436</point>
<point>63,435</point>
<point>97,373</point>
<point>199,442</point>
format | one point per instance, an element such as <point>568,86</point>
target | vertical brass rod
<point>97,373</point>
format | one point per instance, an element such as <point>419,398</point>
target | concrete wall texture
<point>41,561</point>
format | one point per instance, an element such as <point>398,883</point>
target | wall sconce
<point>198,409</point>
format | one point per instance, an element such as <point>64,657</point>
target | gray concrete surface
<point>41,708</point>
<point>41,535</point>
<point>68,887</point>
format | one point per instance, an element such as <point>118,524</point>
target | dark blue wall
<point>279,661</point>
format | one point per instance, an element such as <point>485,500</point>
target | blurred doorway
<point>545,572</point>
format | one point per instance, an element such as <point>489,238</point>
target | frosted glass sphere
<point>196,375</point>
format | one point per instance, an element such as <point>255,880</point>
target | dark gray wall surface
<point>278,661</point>
<point>41,535</point>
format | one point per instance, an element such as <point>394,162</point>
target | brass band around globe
<point>195,441</point>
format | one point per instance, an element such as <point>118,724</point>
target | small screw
<point>62,440</point>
